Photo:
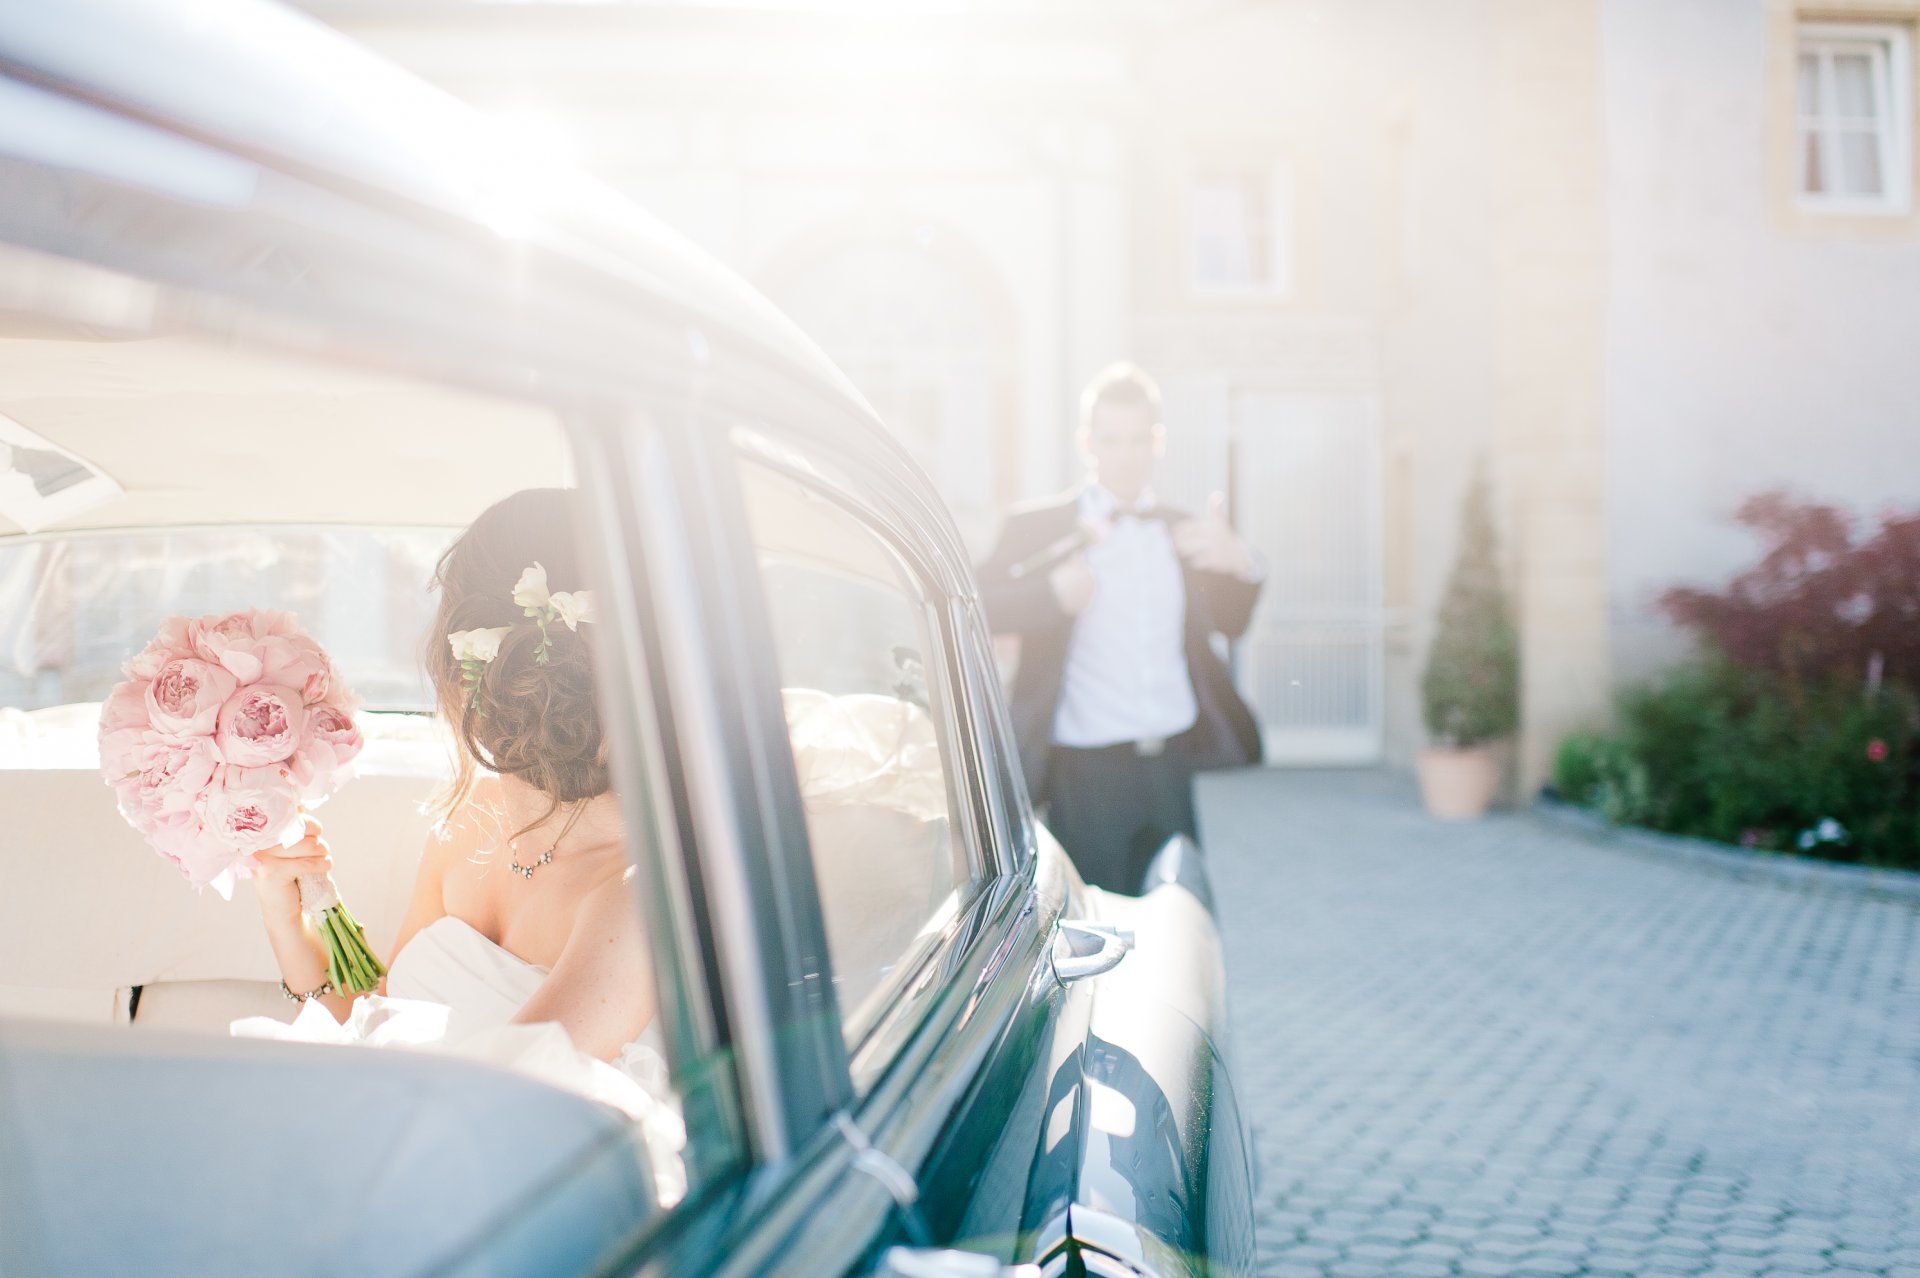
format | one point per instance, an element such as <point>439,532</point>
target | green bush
<point>1470,691</point>
<point>1728,752</point>
<point>1602,773</point>
<point>1578,766</point>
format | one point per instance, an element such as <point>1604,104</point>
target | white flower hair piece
<point>570,606</point>
<point>477,645</point>
<point>475,649</point>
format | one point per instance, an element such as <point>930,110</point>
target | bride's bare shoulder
<point>611,906</point>
<point>474,829</point>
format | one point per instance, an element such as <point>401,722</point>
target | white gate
<point>1307,494</point>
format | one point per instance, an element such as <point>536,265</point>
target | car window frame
<point>995,910</point>
<point>986,815</point>
<point>947,611</point>
<point>952,727</point>
<point>692,1015</point>
<point>684,526</point>
<point>1012,807</point>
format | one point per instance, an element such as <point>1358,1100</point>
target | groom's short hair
<point>1119,383</point>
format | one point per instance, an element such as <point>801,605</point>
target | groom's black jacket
<point>1223,735</point>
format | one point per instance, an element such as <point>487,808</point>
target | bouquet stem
<point>351,964</point>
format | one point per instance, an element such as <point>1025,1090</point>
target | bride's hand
<point>276,883</point>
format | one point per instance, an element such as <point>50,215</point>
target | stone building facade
<point>1366,245</point>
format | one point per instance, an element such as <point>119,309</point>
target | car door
<point>866,853</point>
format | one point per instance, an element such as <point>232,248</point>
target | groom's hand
<point>1211,545</point>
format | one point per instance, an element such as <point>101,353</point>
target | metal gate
<point>1307,494</point>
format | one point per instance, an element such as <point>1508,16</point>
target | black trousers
<point>1112,808</point>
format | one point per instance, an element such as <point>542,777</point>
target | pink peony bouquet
<point>225,730</point>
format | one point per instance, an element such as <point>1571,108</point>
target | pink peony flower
<point>216,633</point>
<point>123,728</point>
<point>126,707</point>
<point>178,837</point>
<point>121,754</point>
<point>323,762</point>
<point>341,697</point>
<point>260,724</point>
<point>299,663</point>
<point>248,808</point>
<point>164,774</point>
<point>1877,750</point>
<point>186,695</point>
<point>206,862</point>
<point>175,640</point>
<point>265,646</point>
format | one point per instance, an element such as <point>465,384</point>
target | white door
<point>1307,484</point>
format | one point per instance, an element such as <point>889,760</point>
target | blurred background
<point>1641,259</point>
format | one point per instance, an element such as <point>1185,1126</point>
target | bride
<point>523,912</point>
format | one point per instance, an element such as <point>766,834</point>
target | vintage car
<point>276,320</point>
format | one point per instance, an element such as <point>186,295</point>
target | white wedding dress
<point>453,990</point>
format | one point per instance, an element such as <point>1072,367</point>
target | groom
<point>1120,695</point>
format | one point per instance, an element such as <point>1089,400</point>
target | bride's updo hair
<point>538,722</point>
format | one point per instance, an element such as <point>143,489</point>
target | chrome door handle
<point>1082,949</point>
<point>927,1262</point>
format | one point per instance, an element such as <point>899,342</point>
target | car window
<point>865,682</point>
<point>69,603</point>
<point>219,478</point>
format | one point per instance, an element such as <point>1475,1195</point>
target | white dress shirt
<point>1126,675</point>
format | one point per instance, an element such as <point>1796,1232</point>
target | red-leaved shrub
<point>1819,605</point>
<point>1795,728</point>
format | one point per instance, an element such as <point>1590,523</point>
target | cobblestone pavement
<point>1508,1047</point>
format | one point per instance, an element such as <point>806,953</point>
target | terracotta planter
<point>1458,784</point>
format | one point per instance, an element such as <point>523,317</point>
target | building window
<point>1239,231</point>
<point>1854,90</point>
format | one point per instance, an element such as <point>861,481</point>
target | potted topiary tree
<point>1470,693</point>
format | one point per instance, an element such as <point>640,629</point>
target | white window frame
<point>1889,49</point>
<point>1278,230</point>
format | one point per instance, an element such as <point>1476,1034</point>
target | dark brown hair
<point>538,722</point>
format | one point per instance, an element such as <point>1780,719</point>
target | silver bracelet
<point>326,987</point>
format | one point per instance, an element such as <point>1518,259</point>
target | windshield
<point>72,609</point>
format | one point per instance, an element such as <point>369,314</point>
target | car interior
<point>224,479</point>
<point>187,475</point>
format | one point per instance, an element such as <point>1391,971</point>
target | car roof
<point>277,87</point>
<point>251,162</point>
